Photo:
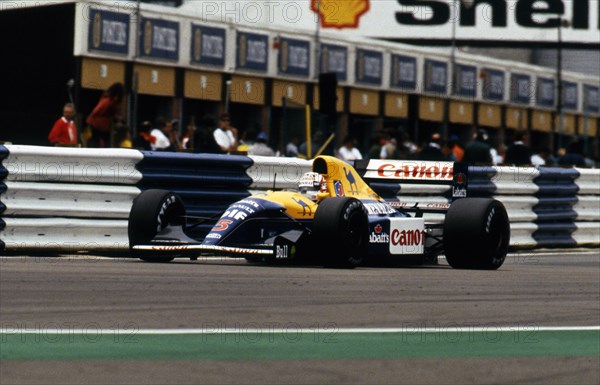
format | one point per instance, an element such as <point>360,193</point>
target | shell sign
<point>340,13</point>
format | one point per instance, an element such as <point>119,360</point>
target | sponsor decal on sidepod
<point>379,236</point>
<point>407,236</point>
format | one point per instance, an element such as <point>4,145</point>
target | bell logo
<point>340,13</point>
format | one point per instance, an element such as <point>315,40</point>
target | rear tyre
<point>476,234</point>
<point>152,211</point>
<point>341,232</point>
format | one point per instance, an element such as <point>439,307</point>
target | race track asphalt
<point>124,298</point>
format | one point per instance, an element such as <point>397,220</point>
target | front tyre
<point>152,211</point>
<point>341,231</point>
<point>476,234</point>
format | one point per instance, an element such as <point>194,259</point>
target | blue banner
<point>208,45</point>
<point>493,84</point>
<point>108,32</point>
<point>465,80</point>
<point>252,52</point>
<point>591,99</point>
<point>369,67</point>
<point>160,39</point>
<point>404,72</point>
<point>545,92</point>
<point>521,89</point>
<point>294,57</point>
<point>334,58</point>
<point>569,95</point>
<point>436,76</point>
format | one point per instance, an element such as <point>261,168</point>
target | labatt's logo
<point>378,236</point>
<point>340,13</point>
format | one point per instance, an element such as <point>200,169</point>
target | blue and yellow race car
<point>335,219</point>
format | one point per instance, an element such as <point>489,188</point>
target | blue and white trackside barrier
<point>69,200</point>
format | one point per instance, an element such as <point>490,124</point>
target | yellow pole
<point>325,145</point>
<point>308,134</point>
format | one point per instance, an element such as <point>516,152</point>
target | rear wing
<point>416,184</point>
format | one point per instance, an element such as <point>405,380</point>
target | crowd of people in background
<point>105,127</point>
<point>478,150</point>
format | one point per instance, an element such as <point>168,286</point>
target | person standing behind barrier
<point>518,153</point>
<point>123,136</point>
<point>260,146</point>
<point>204,140</point>
<point>187,139</point>
<point>291,149</point>
<point>64,131</point>
<point>101,119</point>
<point>315,145</point>
<point>543,157</point>
<point>377,143</point>
<point>433,150</point>
<point>143,140</point>
<point>225,135</point>
<point>573,156</point>
<point>458,152</point>
<point>348,152</point>
<point>162,132</point>
<point>478,151</point>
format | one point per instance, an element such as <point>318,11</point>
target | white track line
<point>223,330</point>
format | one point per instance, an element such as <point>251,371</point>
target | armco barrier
<point>68,200</point>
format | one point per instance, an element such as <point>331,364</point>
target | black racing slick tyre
<point>476,234</point>
<point>151,212</point>
<point>341,232</point>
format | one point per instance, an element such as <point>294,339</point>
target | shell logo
<point>340,13</point>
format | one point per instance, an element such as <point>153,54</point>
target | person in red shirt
<point>64,131</point>
<point>101,118</point>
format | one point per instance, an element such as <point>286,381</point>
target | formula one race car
<point>336,219</point>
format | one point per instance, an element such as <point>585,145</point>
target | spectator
<point>348,152</point>
<point>187,140</point>
<point>204,139</point>
<point>143,140</point>
<point>447,151</point>
<point>377,143</point>
<point>101,119</point>
<point>64,131</point>
<point>315,145</point>
<point>478,151</point>
<point>543,157</point>
<point>497,157</point>
<point>573,156</point>
<point>458,151</point>
<point>123,136</point>
<point>389,150</point>
<point>162,132</point>
<point>243,142</point>
<point>225,135</point>
<point>260,146</point>
<point>518,153</point>
<point>174,135</point>
<point>433,150</point>
<point>291,149</point>
<point>409,149</point>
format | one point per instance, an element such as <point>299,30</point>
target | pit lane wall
<point>71,200</point>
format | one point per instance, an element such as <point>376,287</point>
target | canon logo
<point>526,13</point>
<point>415,171</point>
<point>408,237</point>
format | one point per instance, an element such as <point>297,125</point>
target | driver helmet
<point>311,184</point>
